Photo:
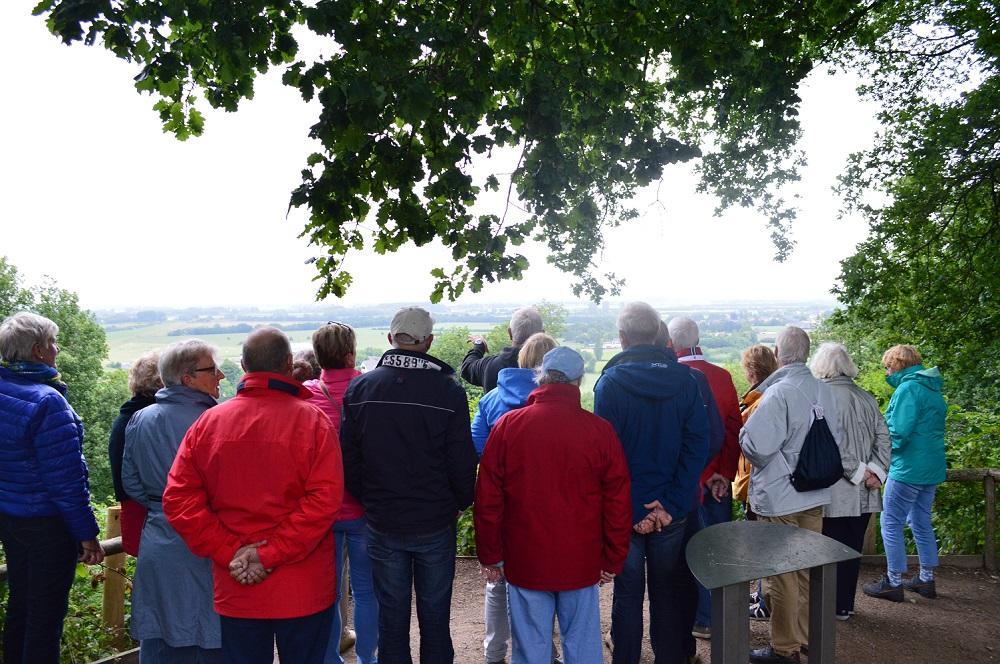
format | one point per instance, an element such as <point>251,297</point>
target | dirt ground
<point>962,625</point>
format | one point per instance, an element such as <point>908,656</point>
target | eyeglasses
<point>337,322</point>
<point>212,368</point>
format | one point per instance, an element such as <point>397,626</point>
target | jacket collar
<point>648,353</point>
<point>787,371</point>
<point>33,372</point>
<point>408,359</point>
<point>262,382</point>
<point>689,354</point>
<point>555,392</point>
<point>184,395</point>
<point>331,376</point>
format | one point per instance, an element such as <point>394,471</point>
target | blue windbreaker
<point>512,390</point>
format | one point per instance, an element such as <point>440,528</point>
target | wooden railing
<point>989,478</point>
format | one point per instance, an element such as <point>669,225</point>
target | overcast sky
<point>93,194</point>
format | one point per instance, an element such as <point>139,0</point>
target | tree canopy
<point>596,98</point>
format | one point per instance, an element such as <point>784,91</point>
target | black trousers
<point>41,563</point>
<point>849,530</point>
<point>300,640</point>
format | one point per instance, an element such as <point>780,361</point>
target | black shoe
<point>882,589</point>
<point>922,588</point>
<point>842,615</point>
<point>766,655</point>
<point>701,631</point>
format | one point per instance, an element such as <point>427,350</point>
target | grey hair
<point>144,374</point>
<point>792,344</point>
<point>266,352</point>
<point>525,322</point>
<point>832,360</point>
<point>181,359</point>
<point>553,376</point>
<point>639,322</point>
<point>684,332</point>
<point>21,331</point>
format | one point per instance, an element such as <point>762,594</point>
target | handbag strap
<point>326,392</point>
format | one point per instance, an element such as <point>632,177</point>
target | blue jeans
<point>711,513</point>
<point>41,563</point>
<point>158,651</point>
<point>351,537</point>
<point>908,504</point>
<point>656,560</point>
<point>252,640</point>
<point>579,614</point>
<point>400,564</point>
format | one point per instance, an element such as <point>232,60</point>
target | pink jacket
<point>335,381</point>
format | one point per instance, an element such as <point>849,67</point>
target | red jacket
<point>264,465</point>
<point>721,384</point>
<point>553,500</point>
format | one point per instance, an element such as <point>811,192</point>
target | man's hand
<point>657,519</point>
<point>871,480</point>
<point>91,552</point>
<point>492,573</point>
<point>606,577</point>
<point>719,486</point>
<point>479,339</point>
<point>246,567</point>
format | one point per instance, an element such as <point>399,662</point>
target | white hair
<point>182,358</point>
<point>683,332</point>
<point>639,322</point>
<point>523,323</point>
<point>554,376</point>
<point>20,332</point>
<point>792,344</point>
<point>832,360</point>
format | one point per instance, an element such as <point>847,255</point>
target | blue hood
<point>514,386</point>
<point>648,372</point>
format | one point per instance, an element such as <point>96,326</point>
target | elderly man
<point>483,371</point>
<point>409,459</point>
<point>771,440</point>
<point>255,487</point>
<point>544,461</point>
<point>657,410</point>
<point>716,503</point>
<point>172,614</point>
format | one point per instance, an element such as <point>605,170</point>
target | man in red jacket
<point>717,504</point>
<point>553,514</point>
<point>255,487</point>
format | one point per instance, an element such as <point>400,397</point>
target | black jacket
<point>483,371</point>
<point>116,441</point>
<point>408,453</point>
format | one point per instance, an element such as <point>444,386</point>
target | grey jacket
<point>867,436</point>
<point>773,436</point>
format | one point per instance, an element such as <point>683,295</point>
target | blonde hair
<point>144,375</point>
<point>759,362</point>
<point>333,343</point>
<point>902,356</point>
<point>534,349</point>
<point>832,360</point>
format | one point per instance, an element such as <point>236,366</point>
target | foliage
<point>233,372</point>
<point>596,99</point>
<point>466,534</point>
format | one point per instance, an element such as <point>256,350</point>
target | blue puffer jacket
<point>42,469</point>
<point>513,388</point>
<point>655,406</point>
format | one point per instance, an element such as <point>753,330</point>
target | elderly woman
<point>172,611</point>
<point>335,345</point>
<point>512,390</point>
<point>46,523</point>
<point>846,518</point>
<point>143,382</point>
<point>916,417</point>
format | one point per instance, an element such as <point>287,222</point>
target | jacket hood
<point>930,378</point>
<point>647,371</point>
<point>514,386</point>
<point>135,404</point>
<point>178,394</point>
<point>265,380</point>
<point>787,371</point>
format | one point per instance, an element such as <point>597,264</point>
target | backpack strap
<point>817,409</point>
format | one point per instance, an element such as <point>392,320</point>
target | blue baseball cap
<point>564,360</point>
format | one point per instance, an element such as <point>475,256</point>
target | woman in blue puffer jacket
<point>512,390</point>
<point>46,524</point>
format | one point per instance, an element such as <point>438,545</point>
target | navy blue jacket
<point>408,453</point>
<point>42,469</point>
<point>656,407</point>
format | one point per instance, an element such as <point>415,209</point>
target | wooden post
<point>868,548</point>
<point>113,612</point>
<point>989,546</point>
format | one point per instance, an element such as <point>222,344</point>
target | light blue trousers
<point>908,504</point>
<point>531,614</point>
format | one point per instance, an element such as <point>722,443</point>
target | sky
<point>94,195</point>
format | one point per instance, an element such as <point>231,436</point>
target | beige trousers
<point>787,595</point>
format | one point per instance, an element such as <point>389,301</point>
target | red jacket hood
<point>266,380</point>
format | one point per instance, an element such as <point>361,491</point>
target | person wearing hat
<point>409,459</point>
<point>553,514</point>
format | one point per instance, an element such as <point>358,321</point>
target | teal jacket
<point>915,416</point>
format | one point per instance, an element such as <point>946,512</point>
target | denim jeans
<point>402,563</point>
<point>908,504</point>
<point>41,562</point>
<point>656,560</point>
<point>711,513</point>
<point>351,537</point>
<point>252,640</point>
<point>579,614</point>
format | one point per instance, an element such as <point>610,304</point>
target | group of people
<point>242,513</point>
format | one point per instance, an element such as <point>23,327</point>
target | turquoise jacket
<point>915,416</point>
